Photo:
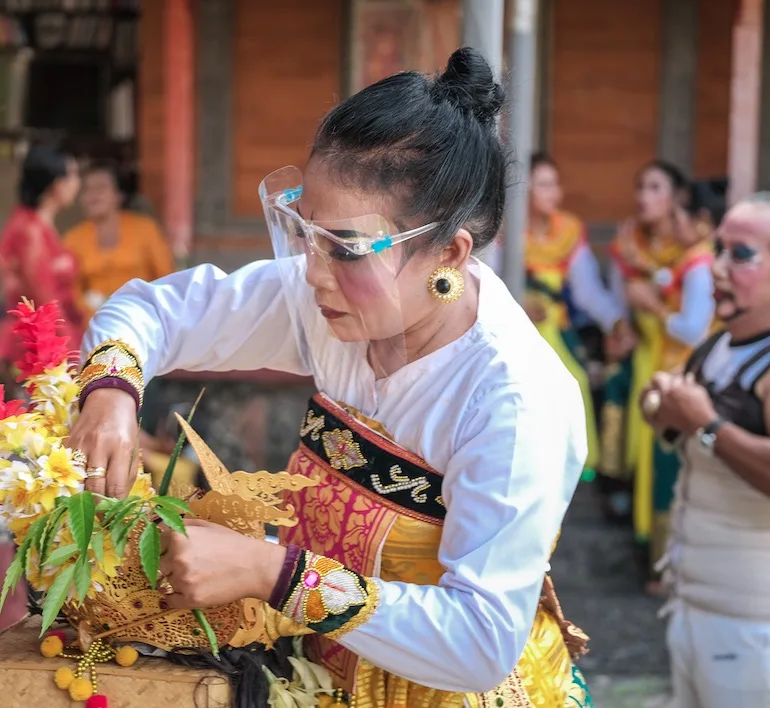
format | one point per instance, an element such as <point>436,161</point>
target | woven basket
<point>26,679</point>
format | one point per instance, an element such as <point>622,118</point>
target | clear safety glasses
<point>340,240</point>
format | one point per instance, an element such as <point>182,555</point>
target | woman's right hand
<point>107,433</point>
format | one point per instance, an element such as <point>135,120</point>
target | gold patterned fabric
<point>390,526</point>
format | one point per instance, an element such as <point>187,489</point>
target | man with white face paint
<point>718,558</point>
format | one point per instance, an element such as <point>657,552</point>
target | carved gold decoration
<point>128,609</point>
<point>261,623</point>
<point>217,475</point>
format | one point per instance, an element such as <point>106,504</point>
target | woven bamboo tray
<point>26,679</point>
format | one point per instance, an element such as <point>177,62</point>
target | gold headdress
<point>129,610</point>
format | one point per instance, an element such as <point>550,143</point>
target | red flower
<point>44,347</point>
<point>10,408</point>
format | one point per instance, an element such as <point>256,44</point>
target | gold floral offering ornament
<point>95,559</point>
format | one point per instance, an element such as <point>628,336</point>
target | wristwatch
<point>707,436</point>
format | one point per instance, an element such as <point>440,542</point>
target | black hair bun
<point>469,83</point>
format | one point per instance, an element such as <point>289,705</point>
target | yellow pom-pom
<point>325,701</point>
<point>63,678</point>
<point>126,656</point>
<point>81,690</point>
<point>51,646</point>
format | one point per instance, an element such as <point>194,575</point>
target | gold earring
<point>446,284</point>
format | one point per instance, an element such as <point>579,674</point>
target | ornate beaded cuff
<point>325,596</point>
<point>113,364</point>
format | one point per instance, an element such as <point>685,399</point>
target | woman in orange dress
<point>112,245</point>
<point>35,265</point>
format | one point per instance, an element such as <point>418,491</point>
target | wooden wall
<point>602,91</point>
<point>150,103</point>
<point>712,120</point>
<point>604,100</point>
<point>287,74</point>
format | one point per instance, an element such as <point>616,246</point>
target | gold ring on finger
<point>79,457</point>
<point>96,473</point>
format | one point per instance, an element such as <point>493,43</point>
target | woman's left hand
<point>214,565</point>
<point>684,406</point>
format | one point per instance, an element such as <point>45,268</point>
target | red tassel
<point>60,634</point>
<point>97,701</point>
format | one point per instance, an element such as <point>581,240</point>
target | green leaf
<point>149,552</point>
<point>97,545</point>
<point>61,555</point>
<point>31,540</point>
<point>61,501</point>
<point>56,597</point>
<point>169,473</point>
<point>81,518</point>
<point>55,519</point>
<point>82,577</point>
<point>105,505</point>
<point>18,566</point>
<point>13,575</point>
<point>121,510</point>
<point>35,532</point>
<point>204,623</point>
<point>171,519</point>
<point>172,503</point>
<point>120,540</point>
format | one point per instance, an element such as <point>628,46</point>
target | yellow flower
<point>18,488</point>
<point>101,572</point>
<point>142,486</point>
<point>15,432</point>
<point>55,397</point>
<point>39,578</point>
<point>19,526</point>
<point>58,469</point>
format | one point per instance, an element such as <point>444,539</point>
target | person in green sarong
<point>662,257</point>
<point>558,258</point>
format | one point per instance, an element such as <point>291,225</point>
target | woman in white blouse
<point>447,439</point>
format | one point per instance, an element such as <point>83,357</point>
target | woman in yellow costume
<point>663,257</point>
<point>447,438</point>
<point>560,264</point>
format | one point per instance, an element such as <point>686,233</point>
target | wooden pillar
<point>179,124</point>
<point>745,95</point>
<point>679,72</point>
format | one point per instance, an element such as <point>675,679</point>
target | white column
<point>745,98</point>
<point>483,29</point>
<point>522,33</point>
